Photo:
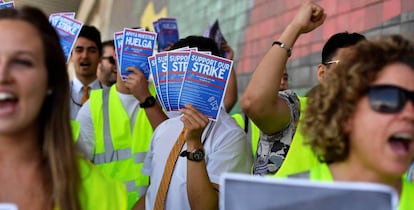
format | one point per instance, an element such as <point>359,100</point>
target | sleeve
<point>86,139</point>
<point>272,148</point>
<point>231,155</point>
<point>147,167</point>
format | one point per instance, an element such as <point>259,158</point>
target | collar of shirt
<point>77,85</point>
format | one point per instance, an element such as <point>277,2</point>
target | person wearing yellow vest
<point>116,126</point>
<point>277,113</point>
<point>369,135</point>
<point>40,165</point>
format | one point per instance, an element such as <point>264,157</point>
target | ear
<point>347,125</point>
<point>321,72</point>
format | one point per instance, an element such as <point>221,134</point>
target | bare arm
<point>138,86</point>
<point>260,100</point>
<point>202,194</point>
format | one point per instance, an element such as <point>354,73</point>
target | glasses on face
<point>388,98</point>
<point>332,62</point>
<point>110,59</point>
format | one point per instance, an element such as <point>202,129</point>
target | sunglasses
<point>110,59</point>
<point>388,98</point>
<point>331,62</point>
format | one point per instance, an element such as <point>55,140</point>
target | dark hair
<point>108,43</point>
<point>55,135</point>
<point>202,43</point>
<point>332,103</point>
<point>337,41</point>
<point>93,34</point>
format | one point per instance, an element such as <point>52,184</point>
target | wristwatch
<point>196,155</point>
<point>149,102</point>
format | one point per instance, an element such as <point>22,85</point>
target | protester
<point>194,182</point>
<point>280,150</point>
<point>208,149</point>
<point>107,68</point>
<point>86,55</point>
<point>40,165</point>
<point>371,130</point>
<point>116,126</point>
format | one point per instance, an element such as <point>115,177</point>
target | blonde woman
<point>40,168</point>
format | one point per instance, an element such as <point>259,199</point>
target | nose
<point>408,111</point>
<point>4,73</point>
<point>84,54</point>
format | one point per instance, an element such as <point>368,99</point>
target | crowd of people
<point>100,142</point>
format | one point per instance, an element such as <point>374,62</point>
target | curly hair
<point>333,102</point>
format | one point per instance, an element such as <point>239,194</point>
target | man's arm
<point>202,194</point>
<point>138,86</point>
<point>260,100</point>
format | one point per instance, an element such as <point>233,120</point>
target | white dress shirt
<point>76,93</point>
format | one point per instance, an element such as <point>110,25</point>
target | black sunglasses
<point>110,59</point>
<point>389,98</point>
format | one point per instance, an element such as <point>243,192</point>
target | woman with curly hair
<point>40,167</point>
<point>362,118</point>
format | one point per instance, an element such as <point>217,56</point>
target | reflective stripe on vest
<point>119,153</point>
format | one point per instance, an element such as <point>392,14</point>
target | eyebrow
<point>24,52</point>
<point>87,47</point>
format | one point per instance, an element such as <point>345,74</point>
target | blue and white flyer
<point>177,65</point>
<point>68,30</point>
<point>137,46</point>
<point>53,18</point>
<point>118,36</point>
<point>167,30</point>
<point>205,82</point>
<point>4,5</point>
<point>162,72</point>
<point>153,69</point>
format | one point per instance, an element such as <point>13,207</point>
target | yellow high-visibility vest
<point>98,191</point>
<point>118,153</point>
<point>300,157</point>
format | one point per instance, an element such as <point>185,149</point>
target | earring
<point>49,92</point>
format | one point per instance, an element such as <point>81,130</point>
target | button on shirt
<point>77,93</point>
